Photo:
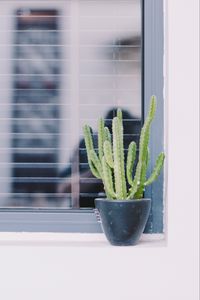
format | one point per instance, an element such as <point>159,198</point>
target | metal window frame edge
<point>153,80</point>
<point>48,220</point>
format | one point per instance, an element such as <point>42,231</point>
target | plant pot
<point>123,221</point>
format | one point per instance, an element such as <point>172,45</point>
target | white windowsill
<point>71,239</point>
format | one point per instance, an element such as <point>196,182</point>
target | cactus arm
<point>107,134</point>
<point>140,190</point>
<point>130,161</point>
<point>100,137</point>
<point>141,187</point>
<point>152,110</point>
<point>107,147</point>
<point>105,172</point>
<point>89,147</point>
<point>143,148</point>
<point>145,133</point>
<point>93,169</point>
<point>108,180</point>
<point>96,162</point>
<point>157,169</point>
<point>119,114</point>
<point>88,138</point>
<point>147,157</point>
<point>144,140</point>
<point>118,153</point>
<point>136,181</point>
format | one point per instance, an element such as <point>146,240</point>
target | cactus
<point>108,153</point>
<point>130,161</point>
<point>108,179</point>
<point>107,134</point>
<point>101,134</point>
<point>118,155</point>
<point>89,146</point>
<point>109,164</point>
<point>143,151</point>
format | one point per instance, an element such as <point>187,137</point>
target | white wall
<point>154,273</point>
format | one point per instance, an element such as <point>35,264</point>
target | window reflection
<point>63,64</point>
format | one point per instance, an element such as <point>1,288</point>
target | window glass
<point>63,64</point>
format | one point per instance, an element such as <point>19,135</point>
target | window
<point>63,64</point>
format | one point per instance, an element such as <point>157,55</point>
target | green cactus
<point>96,162</point>
<point>89,146</point>
<point>108,153</point>
<point>107,134</point>
<point>157,169</point>
<point>108,179</point>
<point>101,134</point>
<point>139,179</point>
<point>118,155</point>
<point>130,161</point>
<point>109,164</point>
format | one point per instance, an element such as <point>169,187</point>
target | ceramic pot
<point>123,221</point>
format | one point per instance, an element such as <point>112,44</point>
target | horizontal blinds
<point>63,64</point>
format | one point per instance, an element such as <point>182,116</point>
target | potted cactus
<point>124,211</point>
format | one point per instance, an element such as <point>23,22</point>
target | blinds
<point>63,64</point>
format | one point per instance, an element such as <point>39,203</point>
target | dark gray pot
<point>123,221</point>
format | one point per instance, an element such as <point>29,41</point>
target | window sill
<point>71,240</point>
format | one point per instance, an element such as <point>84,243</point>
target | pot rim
<point>123,200</point>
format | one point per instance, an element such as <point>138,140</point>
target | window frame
<point>84,220</point>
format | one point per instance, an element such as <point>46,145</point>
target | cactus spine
<point>109,164</point>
